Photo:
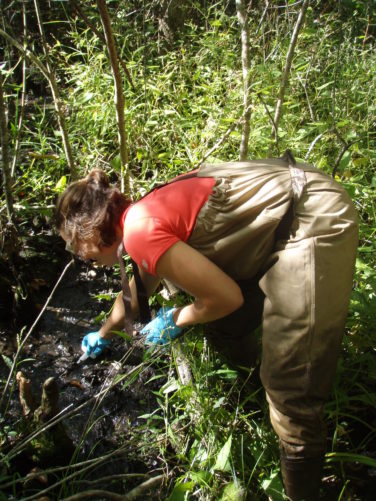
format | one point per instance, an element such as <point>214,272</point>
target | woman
<point>253,242</point>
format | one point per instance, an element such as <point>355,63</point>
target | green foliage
<point>216,441</point>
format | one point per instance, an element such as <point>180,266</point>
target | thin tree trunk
<point>23,94</point>
<point>7,181</point>
<point>56,96</point>
<point>119,96</point>
<point>243,21</point>
<point>90,25</point>
<point>286,73</point>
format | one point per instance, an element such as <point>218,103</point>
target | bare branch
<point>133,494</point>
<point>84,17</point>
<point>23,93</point>
<point>142,488</point>
<point>21,345</point>
<point>243,21</point>
<point>119,97</point>
<point>7,181</point>
<point>271,120</point>
<point>95,494</point>
<point>223,138</point>
<point>56,96</point>
<point>286,73</point>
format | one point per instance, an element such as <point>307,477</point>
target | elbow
<point>233,301</point>
<point>237,300</point>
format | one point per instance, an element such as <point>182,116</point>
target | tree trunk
<point>7,181</point>
<point>243,21</point>
<point>119,97</point>
<point>286,73</point>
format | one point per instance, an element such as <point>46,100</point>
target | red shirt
<point>162,218</point>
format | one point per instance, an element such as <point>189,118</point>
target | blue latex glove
<point>93,345</point>
<point>162,328</point>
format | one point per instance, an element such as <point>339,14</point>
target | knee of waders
<point>238,349</point>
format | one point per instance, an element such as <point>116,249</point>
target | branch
<point>286,73</point>
<point>84,17</point>
<point>119,97</point>
<point>145,486</point>
<point>7,181</point>
<point>27,53</point>
<point>21,345</point>
<point>271,119</point>
<point>95,494</point>
<point>23,94</point>
<point>223,138</point>
<point>243,21</point>
<point>42,68</point>
<point>345,147</point>
<point>56,96</point>
<point>133,494</point>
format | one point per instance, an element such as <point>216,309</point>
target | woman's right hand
<point>93,344</point>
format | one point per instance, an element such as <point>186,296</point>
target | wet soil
<point>104,423</point>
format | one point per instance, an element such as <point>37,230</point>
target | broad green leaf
<point>61,184</point>
<point>180,489</point>
<point>223,459</point>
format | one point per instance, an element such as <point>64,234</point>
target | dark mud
<point>107,418</point>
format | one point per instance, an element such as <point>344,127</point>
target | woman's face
<point>89,250</point>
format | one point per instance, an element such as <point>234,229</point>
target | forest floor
<point>108,414</point>
<point>102,410</point>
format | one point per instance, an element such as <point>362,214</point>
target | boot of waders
<point>302,477</point>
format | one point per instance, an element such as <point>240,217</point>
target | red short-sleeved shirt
<point>162,218</point>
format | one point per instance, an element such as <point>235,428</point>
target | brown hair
<point>90,208</point>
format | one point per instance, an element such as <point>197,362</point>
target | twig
<point>119,97</point>
<point>313,144</point>
<point>21,345</point>
<point>145,486</point>
<point>86,464</point>
<point>84,17</point>
<point>45,72</point>
<point>56,96</point>
<point>7,181</point>
<point>120,476</point>
<point>263,16</point>
<point>345,147</point>
<point>286,73</point>
<point>133,494</point>
<point>223,138</point>
<point>304,85</point>
<point>23,94</point>
<point>26,53</point>
<point>182,364</point>
<point>243,21</point>
<point>271,120</point>
<point>96,494</point>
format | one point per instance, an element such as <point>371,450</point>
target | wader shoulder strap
<point>298,183</point>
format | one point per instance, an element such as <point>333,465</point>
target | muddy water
<point>105,423</point>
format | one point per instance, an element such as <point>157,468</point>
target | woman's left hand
<point>162,328</point>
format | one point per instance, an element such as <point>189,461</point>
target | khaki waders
<point>296,281</point>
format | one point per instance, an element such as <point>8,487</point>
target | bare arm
<point>116,319</point>
<point>216,294</point>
